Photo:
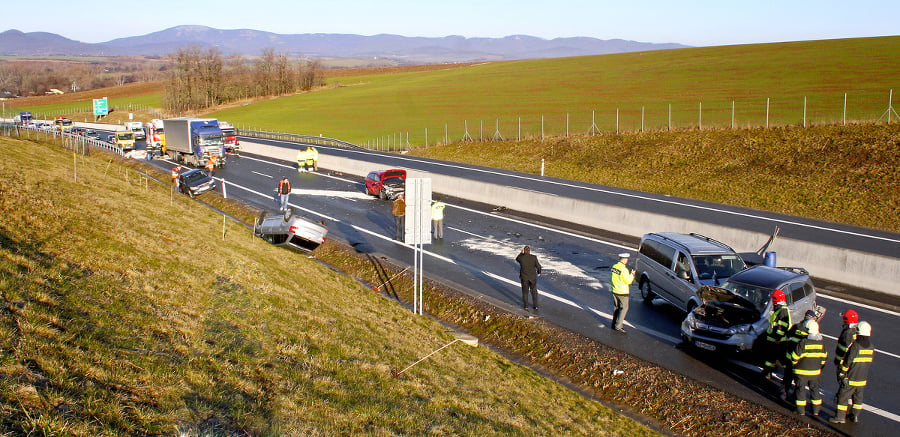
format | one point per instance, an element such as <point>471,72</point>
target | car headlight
<point>740,329</point>
<point>690,321</point>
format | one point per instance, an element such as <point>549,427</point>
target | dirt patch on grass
<point>663,399</point>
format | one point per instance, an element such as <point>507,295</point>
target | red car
<point>386,184</point>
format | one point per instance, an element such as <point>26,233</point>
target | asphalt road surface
<point>480,244</point>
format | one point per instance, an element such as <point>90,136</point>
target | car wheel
<point>382,195</point>
<point>288,213</point>
<point>646,292</point>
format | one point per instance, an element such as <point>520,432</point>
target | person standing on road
<point>807,361</point>
<point>853,374</point>
<point>779,323</point>
<point>848,334</point>
<point>398,209</point>
<point>211,165</point>
<point>793,338</point>
<point>437,219</point>
<point>176,171</point>
<point>284,192</point>
<point>529,270</point>
<point>620,280</point>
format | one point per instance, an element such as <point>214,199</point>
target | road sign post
<point>417,231</point>
<point>101,107</point>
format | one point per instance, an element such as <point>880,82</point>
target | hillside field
<point>125,310</point>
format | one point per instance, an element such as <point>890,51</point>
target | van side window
<point>659,253</point>
<point>683,267</point>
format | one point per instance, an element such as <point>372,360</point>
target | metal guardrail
<point>7,128</point>
<point>303,139</point>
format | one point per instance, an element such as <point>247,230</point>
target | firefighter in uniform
<point>853,372</point>
<point>807,361</point>
<point>314,155</point>
<point>848,334</point>
<point>779,323</point>
<point>793,337</point>
<point>620,279</point>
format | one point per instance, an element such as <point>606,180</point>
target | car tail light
<point>292,229</point>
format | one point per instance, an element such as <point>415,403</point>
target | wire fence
<point>86,111</point>
<point>837,109</point>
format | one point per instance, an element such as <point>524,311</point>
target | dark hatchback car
<point>195,182</point>
<point>732,316</point>
<point>386,184</point>
<point>90,133</point>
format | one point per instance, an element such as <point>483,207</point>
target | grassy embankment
<point>362,108</point>
<point>848,174</point>
<point>124,312</point>
<point>842,174</point>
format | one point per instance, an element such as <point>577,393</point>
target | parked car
<point>111,138</point>
<point>77,130</point>
<point>195,182</point>
<point>291,231</point>
<point>732,317</point>
<point>386,184</point>
<point>674,266</point>
<point>90,133</point>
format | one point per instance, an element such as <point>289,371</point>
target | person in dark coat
<point>529,270</point>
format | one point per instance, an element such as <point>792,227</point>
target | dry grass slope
<point>123,312</point>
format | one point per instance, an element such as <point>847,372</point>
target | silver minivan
<point>674,266</point>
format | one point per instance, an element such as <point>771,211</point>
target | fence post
<point>519,134</point>
<point>542,127</point>
<point>804,111</point>
<point>670,117</point>
<point>844,122</point>
<point>767,112</point>
<point>617,121</point>
<point>700,117</point>
<point>732,114</point>
<point>642,119</point>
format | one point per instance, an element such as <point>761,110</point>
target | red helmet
<point>778,297</point>
<point>850,317</point>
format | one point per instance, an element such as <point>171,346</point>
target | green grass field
<point>363,108</point>
<point>125,311</point>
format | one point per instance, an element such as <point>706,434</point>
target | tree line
<point>200,78</point>
<point>37,77</point>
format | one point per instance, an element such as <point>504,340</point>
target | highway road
<point>481,242</point>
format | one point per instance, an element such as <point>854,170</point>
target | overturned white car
<point>291,231</point>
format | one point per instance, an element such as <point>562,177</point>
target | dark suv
<point>733,315</point>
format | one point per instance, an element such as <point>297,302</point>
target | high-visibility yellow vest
<point>620,278</point>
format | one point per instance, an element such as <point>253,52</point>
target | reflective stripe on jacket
<point>620,278</point>
<point>779,323</point>
<point>809,357</point>
<point>856,363</point>
<point>848,334</point>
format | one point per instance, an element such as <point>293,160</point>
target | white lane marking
<point>262,174</point>
<point>861,305</point>
<point>349,195</point>
<point>642,197</point>
<point>666,337</point>
<point>559,231</point>
<point>655,333</point>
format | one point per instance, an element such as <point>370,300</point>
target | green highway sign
<point>101,106</point>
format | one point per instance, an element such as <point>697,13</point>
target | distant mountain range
<point>248,42</point>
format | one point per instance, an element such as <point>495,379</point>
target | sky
<point>695,23</point>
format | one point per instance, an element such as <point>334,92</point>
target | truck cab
<point>125,140</point>
<point>137,128</point>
